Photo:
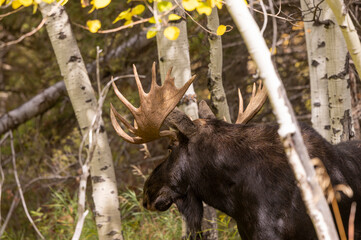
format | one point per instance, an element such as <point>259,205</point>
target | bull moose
<point>240,169</point>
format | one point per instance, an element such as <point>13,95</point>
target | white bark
<point>81,93</point>
<point>316,53</point>
<point>289,132</point>
<point>338,81</point>
<point>348,30</point>
<point>215,85</point>
<point>176,54</point>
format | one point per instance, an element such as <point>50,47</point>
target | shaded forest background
<point>47,145</point>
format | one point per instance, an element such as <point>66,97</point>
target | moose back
<point>240,169</point>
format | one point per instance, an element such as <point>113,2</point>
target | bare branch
<point>19,187</point>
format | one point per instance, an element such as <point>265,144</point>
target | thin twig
<point>124,27</point>
<point>19,187</point>
<point>97,70</point>
<point>12,12</point>
<point>3,45</point>
<point>265,18</point>
<point>10,213</point>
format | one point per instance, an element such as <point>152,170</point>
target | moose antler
<point>154,108</point>
<point>255,103</point>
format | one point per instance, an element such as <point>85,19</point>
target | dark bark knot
<point>112,233</point>
<point>97,179</point>
<point>74,59</point>
<point>62,35</point>
<point>315,63</point>
<point>104,168</point>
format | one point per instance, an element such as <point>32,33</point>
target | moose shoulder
<point>240,169</point>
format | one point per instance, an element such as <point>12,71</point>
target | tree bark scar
<point>74,59</point>
<point>62,36</point>
<point>111,233</point>
<point>104,168</point>
<point>98,179</point>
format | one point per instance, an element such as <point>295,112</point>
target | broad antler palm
<point>154,108</point>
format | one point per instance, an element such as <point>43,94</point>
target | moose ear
<point>204,111</point>
<point>180,121</point>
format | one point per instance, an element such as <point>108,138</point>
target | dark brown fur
<point>242,170</point>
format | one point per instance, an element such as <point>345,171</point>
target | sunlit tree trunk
<point>289,132</point>
<point>338,80</point>
<point>215,85</point>
<point>82,96</point>
<point>316,53</point>
<point>175,53</point>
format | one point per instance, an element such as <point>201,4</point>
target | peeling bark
<point>82,96</point>
<point>289,132</point>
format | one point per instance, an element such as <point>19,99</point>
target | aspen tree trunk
<point>289,132</point>
<point>82,96</point>
<point>215,86</point>
<point>338,80</point>
<point>176,54</point>
<point>348,30</point>
<point>316,54</point>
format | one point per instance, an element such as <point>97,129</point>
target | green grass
<point>56,221</point>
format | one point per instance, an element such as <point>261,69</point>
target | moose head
<point>240,169</point>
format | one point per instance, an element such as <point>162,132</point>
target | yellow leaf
<point>164,6</point>
<point>2,2</point>
<point>26,3</point>
<point>128,22</point>
<point>137,10</point>
<point>15,4</point>
<point>151,34</point>
<point>48,1</point>
<point>171,33</point>
<point>204,8</point>
<point>173,17</point>
<point>152,20</point>
<point>219,4</point>
<point>63,2</point>
<point>221,30</point>
<point>93,25</point>
<point>101,3</point>
<point>273,52</point>
<point>246,2</point>
<point>190,5</point>
<point>35,7</point>
<point>150,1</point>
<point>124,15</point>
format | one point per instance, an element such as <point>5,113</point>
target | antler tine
<point>256,102</point>
<point>240,101</point>
<point>137,80</point>
<point>119,117</point>
<point>123,99</point>
<point>113,115</point>
<point>154,109</point>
